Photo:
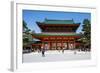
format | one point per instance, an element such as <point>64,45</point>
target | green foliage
<point>26,34</point>
<point>86,38</point>
<point>87,29</point>
<point>24,25</point>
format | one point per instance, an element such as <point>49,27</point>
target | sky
<point>31,16</point>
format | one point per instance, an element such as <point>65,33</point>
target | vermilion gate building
<point>57,34</point>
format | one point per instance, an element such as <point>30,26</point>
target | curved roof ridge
<point>58,19</point>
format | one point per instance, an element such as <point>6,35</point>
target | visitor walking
<point>63,50</point>
<point>43,52</point>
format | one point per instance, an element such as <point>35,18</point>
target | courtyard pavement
<point>51,56</point>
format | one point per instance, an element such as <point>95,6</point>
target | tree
<point>86,38</point>
<point>26,35</point>
<point>24,26</point>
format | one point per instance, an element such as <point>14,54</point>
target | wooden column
<point>43,43</point>
<point>62,44</point>
<point>50,45</point>
<point>68,43</point>
<point>56,42</point>
<point>74,44</point>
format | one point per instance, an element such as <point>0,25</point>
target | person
<point>75,52</point>
<point>43,52</point>
<point>63,50</point>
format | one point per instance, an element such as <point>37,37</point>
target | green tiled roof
<point>47,21</point>
<point>56,34</point>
